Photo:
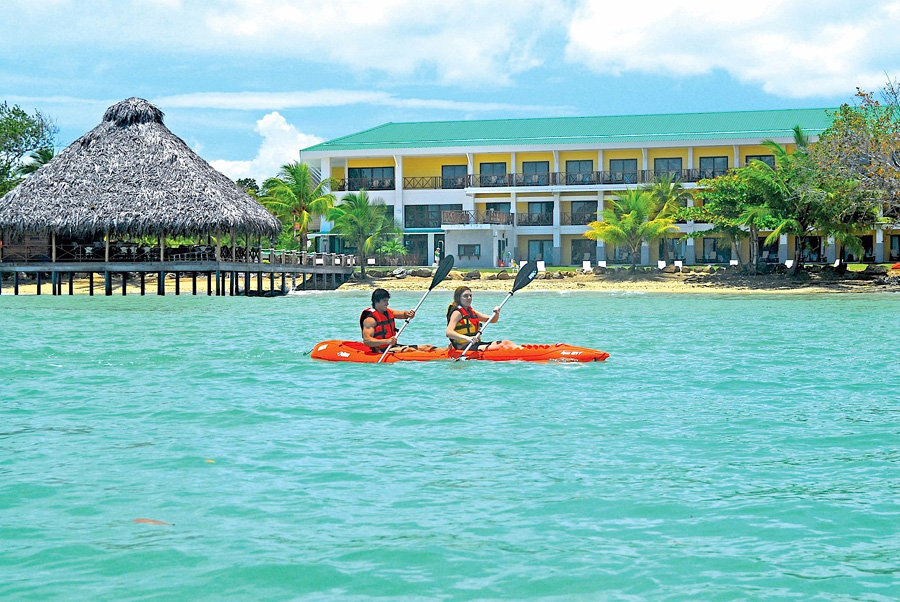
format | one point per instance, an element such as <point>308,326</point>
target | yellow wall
<point>491,158</point>
<point>667,153</point>
<point>713,151</point>
<point>523,157</point>
<point>338,172</point>
<point>426,167</point>
<point>577,156</point>
<point>622,154</point>
<point>374,162</point>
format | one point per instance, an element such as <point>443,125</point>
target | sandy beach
<point>722,281</point>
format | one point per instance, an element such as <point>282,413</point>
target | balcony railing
<point>490,216</point>
<point>346,184</point>
<point>534,219</point>
<point>578,218</point>
<point>433,183</point>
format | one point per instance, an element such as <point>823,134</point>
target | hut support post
<point>107,283</point>
<point>124,282</point>
<point>194,283</point>
<point>161,284</point>
<point>106,255</point>
<point>218,245</point>
<point>247,284</point>
<point>283,280</point>
<point>208,284</point>
<point>53,283</point>
<point>293,280</point>
<point>143,276</point>
<point>162,247</point>
<point>218,280</point>
<point>53,243</point>
<point>71,283</point>
<point>259,279</point>
<point>15,283</point>
<point>177,283</point>
<point>91,284</point>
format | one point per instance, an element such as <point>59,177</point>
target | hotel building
<point>493,191</point>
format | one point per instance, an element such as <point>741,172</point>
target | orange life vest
<point>468,325</point>
<point>384,324</point>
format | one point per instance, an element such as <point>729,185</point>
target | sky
<point>248,83</point>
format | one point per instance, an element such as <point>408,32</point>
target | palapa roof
<point>130,175</point>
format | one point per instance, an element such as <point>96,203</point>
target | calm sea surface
<point>731,448</point>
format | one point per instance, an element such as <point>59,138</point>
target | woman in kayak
<point>463,323</point>
<point>378,328</point>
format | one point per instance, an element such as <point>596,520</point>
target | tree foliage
<point>363,224</point>
<point>296,198</point>
<point>636,215</point>
<point>863,145</point>
<point>249,186</point>
<point>21,133</point>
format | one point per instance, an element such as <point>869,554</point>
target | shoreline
<point>669,283</point>
<point>674,283</point>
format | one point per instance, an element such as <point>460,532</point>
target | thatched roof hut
<point>131,176</point>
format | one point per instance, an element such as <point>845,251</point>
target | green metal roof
<point>583,130</point>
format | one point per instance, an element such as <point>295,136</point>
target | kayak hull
<point>354,351</point>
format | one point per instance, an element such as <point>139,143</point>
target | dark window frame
<point>716,167</point>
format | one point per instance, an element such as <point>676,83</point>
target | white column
<point>326,171</point>
<point>879,245</point>
<point>830,249</point>
<point>782,247</point>
<point>690,164</point>
<point>512,164</point>
<point>470,164</point>
<point>599,160</point>
<point>737,156</point>
<point>557,238</point>
<point>644,159</point>
<point>555,161</point>
<point>398,188</point>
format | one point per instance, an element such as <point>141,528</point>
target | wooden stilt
<point>15,283</point>
<point>218,280</point>
<point>38,283</point>
<point>208,284</point>
<point>247,284</point>
<point>304,281</point>
<point>71,283</point>
<point>124,283</point>
<point>143,276</point>
<point>283,281</point>
<point>161,284</point>
<point>194,283</point>
<point>259,279</point>
<point>177,284</point>
<point>293,280</point>
<point>90,284</point>
<point>271,281</point>
<point>107,283</point>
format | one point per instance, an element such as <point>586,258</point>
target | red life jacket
<point>469,323</point>
<point>384,324</point>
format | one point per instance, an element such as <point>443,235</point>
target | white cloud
<point>465,42</point>
<point>281,144</point>
<point>794,49</point>
<point>266,101</point>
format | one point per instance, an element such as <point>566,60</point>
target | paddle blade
<point>442,270</point>
<point>526,274</point>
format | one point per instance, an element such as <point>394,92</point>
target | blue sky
<point>247,83</point>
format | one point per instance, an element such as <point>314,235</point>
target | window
<point>667,166</point>
<point>672,249</point>
<point>453,176</point>
<point>371,178</point>
<point>536,173</point>
<point>426,216</point>
<point>767,159</point>
<point>583,250</point>
<point>895,247</point>
<point>468,251</point>
<point>579,172</point>
<point>501,207</point>
<point>493,174</point>
<point>622,171</point>
<point>713,167</point>
<point>712,253</point>
<point>540,250</point>
<point>583,212</point>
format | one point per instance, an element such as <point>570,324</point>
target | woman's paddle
<point>526,274</point>
<point>440,273</point>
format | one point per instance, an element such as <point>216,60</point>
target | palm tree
<point>39,158</point>
<point>295,198</point>
<point>362,223</point>
<point>670,194</point>
<point>394,248</point>
<point>636,216</point>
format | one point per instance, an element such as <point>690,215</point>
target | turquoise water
<point>731,448</point>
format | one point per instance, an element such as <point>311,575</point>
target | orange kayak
<point>353,351</point>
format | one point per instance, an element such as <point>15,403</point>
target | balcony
<point>433,183</point>
<point>578,218</point>
<point>534,219</point>
<point>347,184</point>
<point>467,218</point>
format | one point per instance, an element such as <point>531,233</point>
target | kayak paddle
<point>526,274</point>
<point>440,273</point>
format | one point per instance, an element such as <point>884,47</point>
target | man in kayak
<point>378,328</point>
<point>463,323</point>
